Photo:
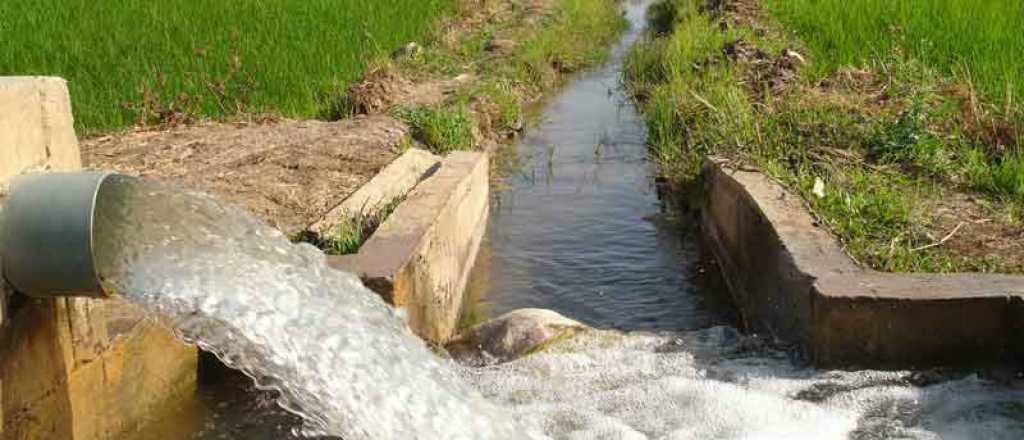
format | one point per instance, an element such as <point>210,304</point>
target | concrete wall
<point>792,280</point>
<point>72,368</point>
<point>421,257</point>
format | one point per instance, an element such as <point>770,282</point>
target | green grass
<point>976,40</point>
<point>883,163</point>
<point>132,60</point>
<point>441,129</point>
<point>350,234</point>
<point>573,35</point>
<point>580,37</point>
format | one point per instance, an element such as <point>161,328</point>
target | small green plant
<point>350,234</point>
<point>1005,177</point>
<point>510,111</point>
<point>442,129</point>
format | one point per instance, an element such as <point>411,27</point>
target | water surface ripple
<point>580,228</point>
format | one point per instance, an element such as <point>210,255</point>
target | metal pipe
<point>47,239</point>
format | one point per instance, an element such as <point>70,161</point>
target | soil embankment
<point>464,89</point>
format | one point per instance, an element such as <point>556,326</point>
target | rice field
<point>130,61</point>
<point>980,41</point>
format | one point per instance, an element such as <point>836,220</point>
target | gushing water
<point>340,357</point>
<point>344,361</point>
<point>718,384</point>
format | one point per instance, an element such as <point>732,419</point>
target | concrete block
<point>34,372</point>
<point>36,134</point>
<point>146,373</point>
<point>64,371</point>
<point>421,257</point>
<point>792,280</point>
<point>36,127</point>
<point>394,181</point>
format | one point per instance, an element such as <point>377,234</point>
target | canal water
<point>577,226</point>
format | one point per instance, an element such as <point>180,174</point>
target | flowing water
<point>579,230</point>
<point>579,227</point>
<point>339,356</point>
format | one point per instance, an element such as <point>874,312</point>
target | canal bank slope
<point>463,90</point>
<point>817,183</point>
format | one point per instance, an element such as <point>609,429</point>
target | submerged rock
<point>512,335</point>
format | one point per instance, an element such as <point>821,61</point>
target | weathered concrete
<point>143,375</point>
<point>35,346</point>
<point>36,134</point>
<point>60,359</point>
<point>394,181</point>
<point>421,257</point>
<point>791,279</point>
<point>36,128</point>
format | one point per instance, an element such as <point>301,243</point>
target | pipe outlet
<point>47,239</point>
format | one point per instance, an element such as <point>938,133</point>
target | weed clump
<point>442,129</point>
<point>350,234</point>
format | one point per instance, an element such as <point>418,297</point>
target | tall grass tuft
<point>132,60</point>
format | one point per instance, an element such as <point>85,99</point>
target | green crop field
<point>981,41</point>
<point>132,60</point>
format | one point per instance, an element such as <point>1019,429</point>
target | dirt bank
<point>463,89</point>
<point>289,173</point>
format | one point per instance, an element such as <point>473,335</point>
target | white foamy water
<point>718,384</point>
<point>340,356</point>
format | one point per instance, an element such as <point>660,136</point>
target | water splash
<point>716,383</point>
<point>345,362</point>
<point>340,357</point>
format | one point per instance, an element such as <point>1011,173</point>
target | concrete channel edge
<point>421,257</point>
<point>791,280</point>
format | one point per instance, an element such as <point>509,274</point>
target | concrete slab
<point>36,127</point>
<point>421,257</point>
<point>145,374</point>
<point>394,181</point>
<point>792,280</point>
